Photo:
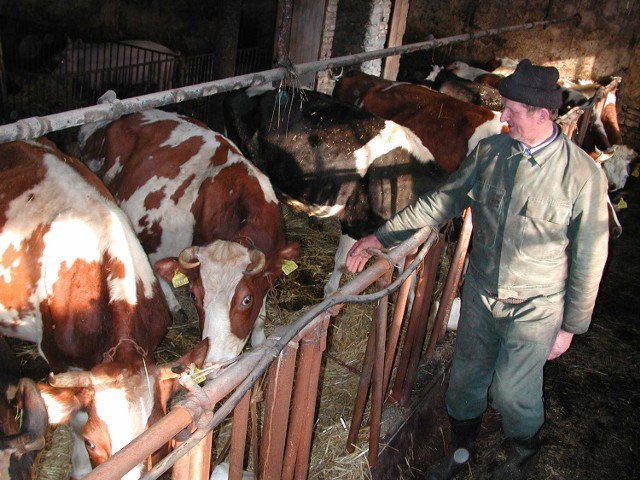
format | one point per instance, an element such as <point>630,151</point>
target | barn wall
<point>603,42</point>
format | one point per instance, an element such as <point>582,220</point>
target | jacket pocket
<point>544,229</point>
<point>487,201</point>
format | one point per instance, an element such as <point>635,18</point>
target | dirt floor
<point>592,393</point>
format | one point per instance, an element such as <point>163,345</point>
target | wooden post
<point>398,25</point>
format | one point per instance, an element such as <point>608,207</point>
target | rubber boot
<point>522,455</point>
<point>461,449</point>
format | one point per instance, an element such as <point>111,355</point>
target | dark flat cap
<point>533,85</point>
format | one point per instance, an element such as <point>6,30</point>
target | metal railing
<point>292,357</point>
<point>41,125</point>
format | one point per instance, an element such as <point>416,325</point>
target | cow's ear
<point>168,268</point>
<point>196,356</point>
<point>61,403</point>
<point>290,252</point>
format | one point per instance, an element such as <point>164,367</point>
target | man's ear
<point>543,115</point>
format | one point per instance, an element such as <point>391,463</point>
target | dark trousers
<point>501,349</point>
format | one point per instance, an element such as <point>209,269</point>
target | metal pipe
<point>34,127</point>
<point>431,268</point>
<point>380,316</point>
<point>399,312</point>
<point>239,437</point>
<point>318,345</point>
<point>418,306</point>
<point>451,283</point>
<point>244,373</point>
<point>281,375</point>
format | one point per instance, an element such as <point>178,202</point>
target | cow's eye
<point>248,300</point>
<point>88,444</point>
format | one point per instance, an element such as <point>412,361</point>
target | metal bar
<point>431,267</point>
<point>34,127</point>
<point>451,283</point>
<point>239,437</point>
<point>241,376</point>
<point>317,345</point>
<point>417,310</point>
<point>274,437</point>
<point>196,464</point>
<point>363,390</point>
<point>399,312</point>
<point>377,380</point>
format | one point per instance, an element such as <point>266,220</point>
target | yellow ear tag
<point>622,204</point>
<point>288,266</point>
<point>636,172</point>
<point>179,279</point>
<point>196,376</point>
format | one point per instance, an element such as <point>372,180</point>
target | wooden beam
<point>398,25</point>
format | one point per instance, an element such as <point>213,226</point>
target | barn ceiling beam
<point>111,108</point>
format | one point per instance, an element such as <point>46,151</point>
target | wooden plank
<point>306,35</point>
<point>397,27</point>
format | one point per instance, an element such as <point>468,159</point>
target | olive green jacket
<point>540,221</point>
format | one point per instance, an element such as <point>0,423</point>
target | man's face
<point>523,124</point>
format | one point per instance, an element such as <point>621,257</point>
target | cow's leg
<point>257,335</point>
<point>80,463</point>
<point>346,242</point>
<point>172,301</point>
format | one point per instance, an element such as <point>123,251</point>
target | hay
<point>54,462</point>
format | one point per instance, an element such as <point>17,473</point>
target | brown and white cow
<point>449,128</point>
<point>200,209</point>
<point>328,158</point>
<point>75,281</point>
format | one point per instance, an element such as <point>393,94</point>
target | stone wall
<point>600,40</point>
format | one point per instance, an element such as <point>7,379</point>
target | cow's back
<point>75,275</point>
<point>448,127</point>
<point>182,183</point>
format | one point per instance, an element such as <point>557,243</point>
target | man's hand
<point>358,255</point>
<point>561,345</point>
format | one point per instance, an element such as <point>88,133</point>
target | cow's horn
<point>24,442</point>
<point>70,379</point>
<point>258,259</point>
<point>189,257</point>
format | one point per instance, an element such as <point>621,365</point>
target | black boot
<point>461,449</point>
<point>522,454</point>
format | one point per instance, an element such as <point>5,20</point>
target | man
<point>540,238</point>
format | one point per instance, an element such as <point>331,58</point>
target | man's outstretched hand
<point>358,256</point>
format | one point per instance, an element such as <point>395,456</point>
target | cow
<point>201,210</point>
<point>128,64</point>
<point>21,442</point>
<point>470,91</point>
<point>464,70</point>
<point>448,127</point>
<point>329,158</point>
<point>23,419</point>
<point>75,281</point>
<point>615,161</point>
